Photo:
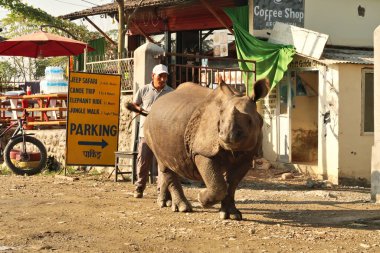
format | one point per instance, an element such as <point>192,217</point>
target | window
<point>367,101</point>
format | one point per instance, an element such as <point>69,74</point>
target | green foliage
<point>95,172</point>
<point>34,17</point>
<point>113,34</point>
<point>4,170</point>
<point>34,14</point>
<point>24,19</point>
<point>72,170</point>
<point>41,64</point>
<point>15,25</point>
<point>7,72</point>
<point>27,69</point>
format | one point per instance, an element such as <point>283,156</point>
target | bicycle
<point>23,154</point>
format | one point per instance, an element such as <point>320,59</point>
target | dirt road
<point>93,214</point>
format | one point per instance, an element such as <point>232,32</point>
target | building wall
<point>375,163</point>
<point>344,154</point>
<point>270,125</point>
<point>328,127</point>
<point>339,19</point>
<point>354,147</point>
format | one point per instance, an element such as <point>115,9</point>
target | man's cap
<point>159,69</point>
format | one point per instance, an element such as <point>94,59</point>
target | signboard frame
<point>306,42</point>
<point>93,102</point>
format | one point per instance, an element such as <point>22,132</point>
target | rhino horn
<point>235,111</point>
<point>261,89</point>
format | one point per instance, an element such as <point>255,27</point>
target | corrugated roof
<point>344,56</point>
<point>129,5</point>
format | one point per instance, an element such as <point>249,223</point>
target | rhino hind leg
<point>164,198</point>
<point>171,193</point>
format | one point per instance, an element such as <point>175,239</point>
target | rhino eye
<point>250,122</point>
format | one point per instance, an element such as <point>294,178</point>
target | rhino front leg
<point>216,187</point>
<point>228,209</point>
<point>171,185</point>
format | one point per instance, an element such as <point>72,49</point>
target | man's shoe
<point>138,194</point>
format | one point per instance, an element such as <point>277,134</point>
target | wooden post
<point>215,14</point>
<point>101,31</point>
<point>251,17</point>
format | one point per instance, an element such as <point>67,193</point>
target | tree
<point>38,16</point>
<point>123,25</point>
<point>122,29</point>
<point>7,72</point>
<point>24,19</point>
<point>14,25</point>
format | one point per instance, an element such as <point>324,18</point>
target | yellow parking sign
<point>93,119</point>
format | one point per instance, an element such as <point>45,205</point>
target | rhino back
<point>166,123</point>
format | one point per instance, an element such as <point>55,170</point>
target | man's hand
<point>132,107</point>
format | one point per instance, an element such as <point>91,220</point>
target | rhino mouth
<point>232,140</point>
<point>232,146</point>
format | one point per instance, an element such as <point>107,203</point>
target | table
<point>46,103</point>
<point>13,100</point>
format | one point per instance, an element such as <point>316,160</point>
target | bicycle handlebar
<point>25,114</point>
<point>24,119</point>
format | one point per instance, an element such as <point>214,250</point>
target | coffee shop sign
<point>267,13</point>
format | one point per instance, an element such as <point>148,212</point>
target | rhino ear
<point>202,134</point>
<point>227,89</point>
<point>261,89</point>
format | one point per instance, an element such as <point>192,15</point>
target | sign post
<point>93,119</point>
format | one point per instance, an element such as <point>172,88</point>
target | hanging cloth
<point>271,59</point>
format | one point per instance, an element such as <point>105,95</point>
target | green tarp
<point>99,45</point>
<point>271,59</point>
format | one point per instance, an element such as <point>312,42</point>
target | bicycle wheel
<point>30,160</point>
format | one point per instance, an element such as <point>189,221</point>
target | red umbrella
<point>42,44</point>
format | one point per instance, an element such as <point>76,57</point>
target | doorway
<point>304,120</point>
<point>298,117</point>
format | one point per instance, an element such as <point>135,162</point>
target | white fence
<point>124,67</point>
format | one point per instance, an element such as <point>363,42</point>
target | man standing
<point>143,101</point>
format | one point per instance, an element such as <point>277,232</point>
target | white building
<point>320,117</point>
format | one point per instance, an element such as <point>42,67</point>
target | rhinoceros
<point>206,135</point>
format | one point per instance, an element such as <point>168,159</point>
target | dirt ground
<point>45,213</point>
